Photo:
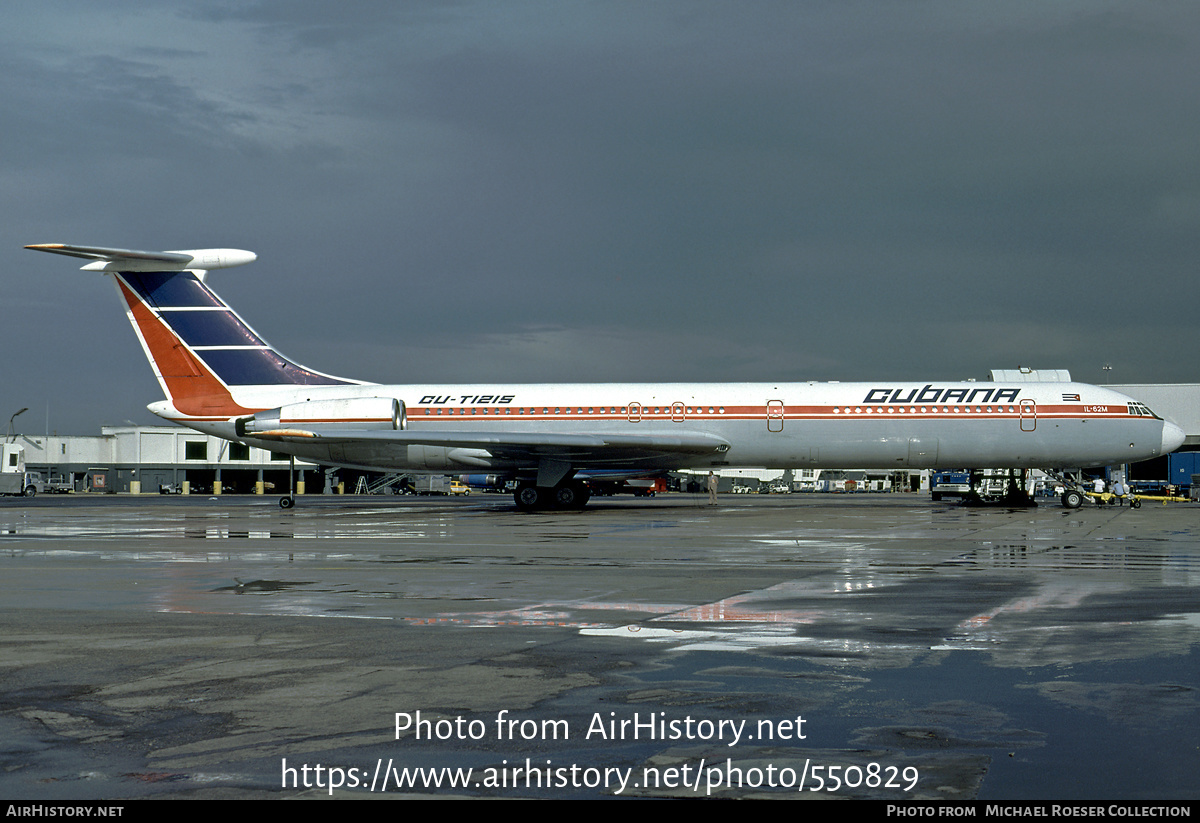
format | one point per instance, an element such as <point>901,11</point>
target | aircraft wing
<point>579,450</point>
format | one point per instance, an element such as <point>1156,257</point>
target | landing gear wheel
<point>528,497</point>
<point>287,502</point>
<point>571,495</point>
<point>574,494</point>
<point>1072,499</point>
<point>566,496</point>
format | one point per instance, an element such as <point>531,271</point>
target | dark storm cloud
<point>614,191</point>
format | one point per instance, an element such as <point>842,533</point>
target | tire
<point>527,497</point>
<point>1072,499</point>
<point>286,502</point>
<point>572,495</point>
<point>30,491</point>
<point>566,496</point>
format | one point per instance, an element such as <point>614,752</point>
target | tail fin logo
<point>192,388</point>
<point>199,345</point>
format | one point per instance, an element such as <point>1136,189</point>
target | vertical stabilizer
<point>199,348</point>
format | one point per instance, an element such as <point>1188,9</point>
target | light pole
<point>12,437</point>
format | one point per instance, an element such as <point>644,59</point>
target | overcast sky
<point>462,192</point>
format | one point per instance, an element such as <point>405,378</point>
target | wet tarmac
<point>866,646</point>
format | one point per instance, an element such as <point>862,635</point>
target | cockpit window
<point>1142,410</point>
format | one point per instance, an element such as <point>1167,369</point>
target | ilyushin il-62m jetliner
<point>220,377</point>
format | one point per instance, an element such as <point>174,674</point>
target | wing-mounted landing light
<point>313,417</point>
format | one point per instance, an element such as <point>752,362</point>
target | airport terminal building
<point>150,459</point>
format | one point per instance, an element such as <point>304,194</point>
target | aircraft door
<point>922,452</point>
<point>1028,415</point>
<point>774,415</point>
<point>635,412</point>
<point>677,412</point>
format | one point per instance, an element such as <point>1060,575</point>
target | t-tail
<point>203,354</point>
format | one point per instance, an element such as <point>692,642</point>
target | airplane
<point>222,378</point>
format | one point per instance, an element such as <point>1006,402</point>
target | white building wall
<point>156,446</point>
<point>1178,402</point>
<point>139,446</point>
<point>57,450</point>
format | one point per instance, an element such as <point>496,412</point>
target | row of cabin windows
<point>579,410</point>
<point>922,409</point>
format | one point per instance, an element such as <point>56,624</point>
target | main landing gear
<point>570,494</point>
<point>1006,489</point>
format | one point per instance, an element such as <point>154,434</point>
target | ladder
<point>385,483</point>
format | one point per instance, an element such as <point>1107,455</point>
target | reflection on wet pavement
<point>884,583</point>
<point>865,602</point>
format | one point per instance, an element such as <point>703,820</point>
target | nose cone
<point>1172,437</point>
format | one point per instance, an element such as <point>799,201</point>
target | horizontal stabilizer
<point>106,259</point>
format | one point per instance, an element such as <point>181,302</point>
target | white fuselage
<point>783,425</point>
